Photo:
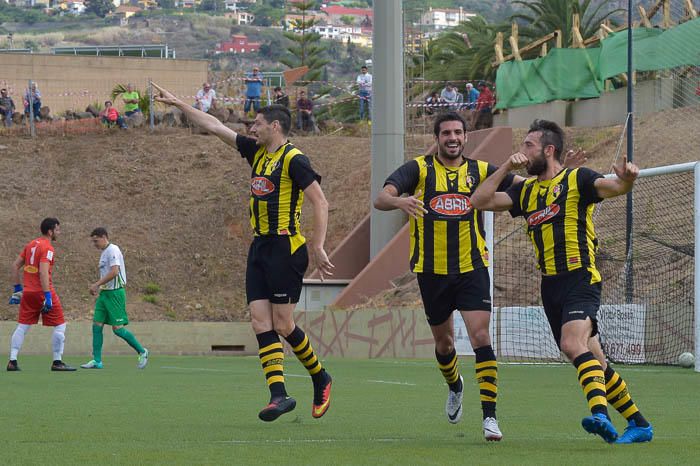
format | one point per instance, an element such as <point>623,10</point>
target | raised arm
<point>487,197</point>
<point>207,122</point>
<point>626,172</point>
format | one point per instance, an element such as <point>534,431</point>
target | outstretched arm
<point>626,172</point>
<point>207,122</point>
<point>486,196</point>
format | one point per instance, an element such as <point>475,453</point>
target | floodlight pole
<point>629,277</point>
<point>387,115</point>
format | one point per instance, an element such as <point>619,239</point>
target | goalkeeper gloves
<point>48,303</point>
<point>17,295</point>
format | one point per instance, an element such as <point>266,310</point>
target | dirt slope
<point>176,203</point>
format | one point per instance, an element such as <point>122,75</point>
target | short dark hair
<point>100,231</point>
<point>280,113</point>
<point>363,67</point>
<point>552,135</point>
<point>49,224</point>
<point>449,116</point>
<point>277,89</point>
<point>3,90</point>
<point>108,102</point>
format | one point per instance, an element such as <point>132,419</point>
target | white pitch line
<point>319,440</point>
<point>392,382</point>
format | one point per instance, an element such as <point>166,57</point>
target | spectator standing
<point>253,90</point>
<point>7,107</point>
<point>32,97</point>
<point>472,95</point>
<point>205,98</point>
<point>305,115</point>
<point>281,98</point>
<point>482,117</point>
<point>364,82</point>
<point>131,100</point>
<point>110,116</point>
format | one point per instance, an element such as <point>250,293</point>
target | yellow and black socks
<point>272,360</point>
<point>620,399</point>
<point>592,380</point>
<point>305,353</point>
<point>450,370</point>
<point>487,378</point>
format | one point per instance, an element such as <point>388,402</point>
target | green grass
<point>203,410</point>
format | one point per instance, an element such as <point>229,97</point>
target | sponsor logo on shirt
<point>261,186</point>
<point>30,269</point>
<point>452,205</point>
<point>543,215</point>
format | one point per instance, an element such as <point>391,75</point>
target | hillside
<point>176,204</point>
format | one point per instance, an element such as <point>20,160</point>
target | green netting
<point>579,73</point>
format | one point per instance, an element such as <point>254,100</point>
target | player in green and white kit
<point>110,307</point>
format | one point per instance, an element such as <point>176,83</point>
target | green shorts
<point>110,307</point>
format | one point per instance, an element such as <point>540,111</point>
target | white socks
<point>17,340</point>
<point>57,339</point>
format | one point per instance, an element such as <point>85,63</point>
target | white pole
<point>697,267</point>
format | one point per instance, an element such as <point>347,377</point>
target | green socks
<point>97,339</point>
<point>129,337</point>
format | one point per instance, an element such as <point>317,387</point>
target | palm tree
<point>464,53</point>
<point>544,16</point>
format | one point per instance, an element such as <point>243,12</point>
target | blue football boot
<point>635,434</point>
<point>599,424</point>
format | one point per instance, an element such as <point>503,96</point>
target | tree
<point>347,20</point>
<point>166,4</point>
<point>99,7</point>
<point>544,16</point>
<point>212,5</point>
<point>465,52</point>
<point>306,48</point>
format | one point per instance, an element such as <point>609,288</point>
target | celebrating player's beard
<point>451,149</point>
<point>538,165</point>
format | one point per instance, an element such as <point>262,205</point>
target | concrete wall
<point>195,338</point>
<point>73,82</point>
<point>607,110</point>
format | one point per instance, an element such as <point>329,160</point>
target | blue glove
<point>48,303</point>
<point>17,295</point>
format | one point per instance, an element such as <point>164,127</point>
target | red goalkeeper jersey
<point>35,252</point>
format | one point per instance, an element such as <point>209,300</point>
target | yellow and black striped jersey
<point>559,216</point>
<point>277,186</point>
<point>449,239</point>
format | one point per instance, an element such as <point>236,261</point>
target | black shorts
<point>570,296</point>
<point>442,294</point>
<point>273,272</point>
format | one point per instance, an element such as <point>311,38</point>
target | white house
<point>442,18</point>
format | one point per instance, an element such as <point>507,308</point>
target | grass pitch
<point>203,410</point>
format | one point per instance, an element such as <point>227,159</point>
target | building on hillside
<point>237,44</point>
<point>355,34</point>
<point>317,16</point>
<point>240,16</point>
<point>187,3</point>
<point>442,18</point>
<point>126,11</point>
<point>359,15</point>
<point>75,7</point>
<point>235,5</point>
